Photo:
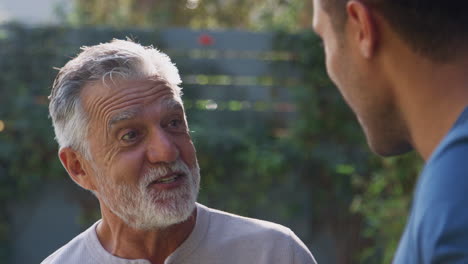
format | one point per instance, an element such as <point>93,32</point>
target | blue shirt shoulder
<point>437,230</point>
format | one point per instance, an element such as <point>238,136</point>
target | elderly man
<point>121,126</point>
<point>402,66</point>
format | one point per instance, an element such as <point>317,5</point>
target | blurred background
<point>274,138</point>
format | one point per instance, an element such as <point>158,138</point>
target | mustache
<point>163,170</point>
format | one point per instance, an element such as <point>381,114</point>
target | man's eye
<point>130,136</point>
<point>175,123</point>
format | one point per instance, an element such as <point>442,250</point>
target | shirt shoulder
<point>254,239</point>
<point>75,251</point>
<point>240,226</point>
<point>437,230</point>
<point>444,179</point>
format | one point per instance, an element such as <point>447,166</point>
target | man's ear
<point>77,167</point>
<point>363,27</point>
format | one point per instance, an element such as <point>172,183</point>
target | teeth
<point>168,180</point>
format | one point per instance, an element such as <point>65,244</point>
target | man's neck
<point>155,245</point>
<point>431,97</point>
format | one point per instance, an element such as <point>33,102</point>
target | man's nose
<point>161,147</point>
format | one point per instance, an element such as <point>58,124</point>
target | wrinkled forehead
<point>110,87</point>
<point>101,98</point>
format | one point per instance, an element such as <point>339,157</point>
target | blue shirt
<point>437,229</point>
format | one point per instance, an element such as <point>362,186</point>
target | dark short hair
<point>433,28</point>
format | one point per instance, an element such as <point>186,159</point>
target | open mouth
<point>169,179</point>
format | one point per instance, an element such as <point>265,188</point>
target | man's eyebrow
<point>123,116</point>
<point>172,104</point>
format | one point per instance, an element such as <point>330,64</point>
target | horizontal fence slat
<point>178,38</point>
<point>235,92</point>
<point>249,67</point>
<point>175,38</point>
<point>170,38</point>
<point>239,119</point>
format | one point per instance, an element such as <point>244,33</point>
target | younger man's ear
<point>363,27</point>
<point>77,167</point>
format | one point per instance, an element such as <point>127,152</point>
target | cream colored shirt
<point>217,237</point>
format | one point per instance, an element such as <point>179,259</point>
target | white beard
<point>144,208</point>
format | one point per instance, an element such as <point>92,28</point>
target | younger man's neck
<point>432,97</point>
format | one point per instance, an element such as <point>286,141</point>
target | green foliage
<point>204,14</point>
<point>27,150</point>
<point>384,200</point>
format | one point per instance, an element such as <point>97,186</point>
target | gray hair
<point>118,58</point>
